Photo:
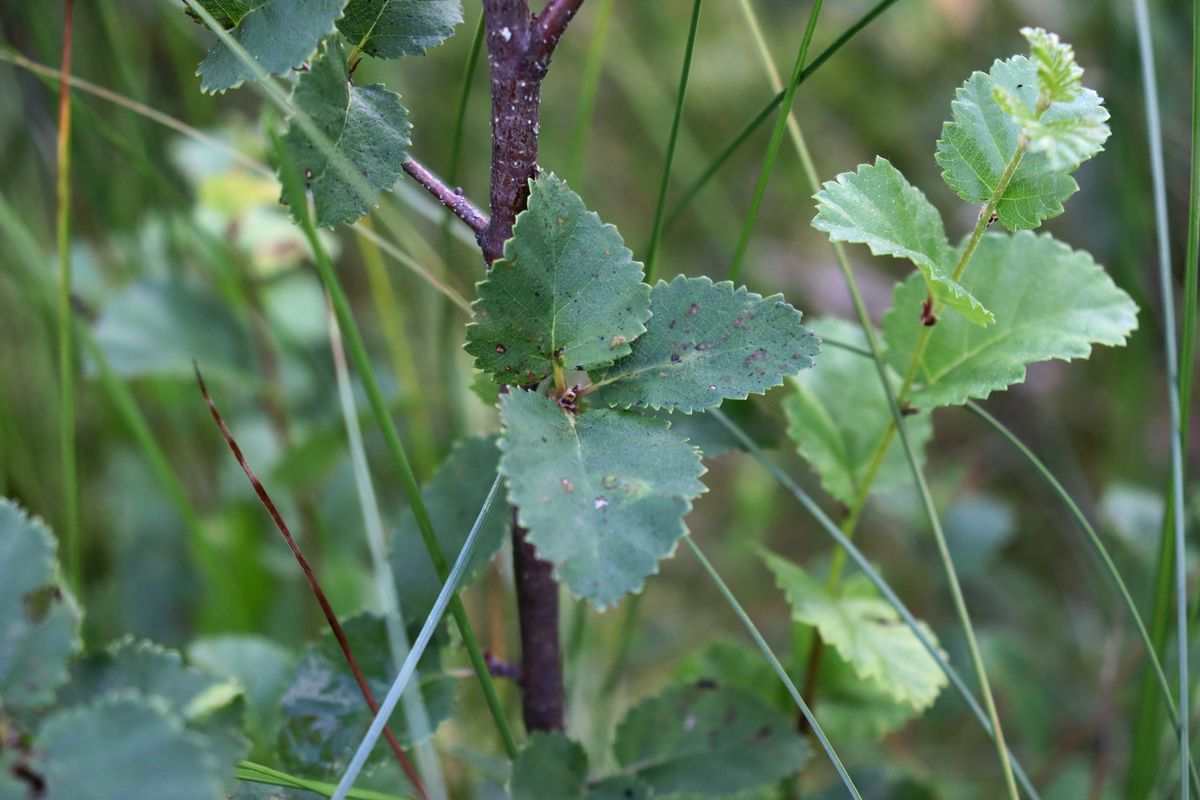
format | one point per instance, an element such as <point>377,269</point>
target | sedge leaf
<point>369,132</point>
<point>708,741</point>
<point>603,494</point>
<point>865,631</point>
<point>39,620</point>
<point>838,414</point>
<point>567,291</point>
<point>1050,302</point>
<point>878,207</point>
<point>550,766</point>
<point>279,35</point>
<point>706,343</point>
<point>396,28</point>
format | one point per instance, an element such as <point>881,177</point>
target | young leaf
<point>453,497</point>
<point>837,415</point>
<point>603,494</point>
<point>1050,302</point>
<point>279,35</point>
<point>324,714</point>
<point>865,631</point>
<point>39,620</point>
<point>397,28</point>
<point>706,343</point>
<point>129,747</point>
<point>708,741</point>
<point>367,127</point>
<point>1059,78</point>
<point>878,207</point>
<point>567,291</point>
<point>550,765</point>
<point>978,144</point>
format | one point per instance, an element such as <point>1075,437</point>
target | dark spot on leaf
<point>674,358</point>
<point>671,326</point>
<point>763,732</point>
<point>706,683</point>
<point>501,349</point>
<point>755,356</point>
<point>694,310</point>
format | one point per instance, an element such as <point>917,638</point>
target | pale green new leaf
<point>279,35</point>
<point>1059,78</point>
<point>367,127</point>
<point>549,766</point>
<point>837,415</point>
<point>710,741</point>
<point>603,494</point>
<point>39,620</point>
<point>567,291</point>
<point>1050,303</point>
<point>878,207</point>
<point>977,145</point>
<point>126,746</point>
<point>865,631</point>
<point>396,28</point>
<point>324,713</point>
<point>706,343</point>
<point>453,496</point>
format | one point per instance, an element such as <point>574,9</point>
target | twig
<point>313,583</point>
<point>550,25</point>
<point>453,199</point>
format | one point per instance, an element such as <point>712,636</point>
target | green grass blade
<point>1174,387</point>
<point>665,182</point>
<point>385,584</point>
<point>781,125</point>
<point>769,654</point>
<point>883,586</point>
<point>258,773</point>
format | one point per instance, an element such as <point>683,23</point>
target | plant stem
<point>665,182</point>
<point>542,692</point>
<point>781,124</point>
<point>66,347</point>
<point>452,199</point>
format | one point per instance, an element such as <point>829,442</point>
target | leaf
<point>129,747</point>
<point>878,207</point>
<point>453,497</point>
<point>865,631</point>
<point>710,434</point>
<point>324,713</point>
<point>1050,302</point>
<point>708,741</point>
<point>262,667</point>
<point>205,704</point>
<point>977,145</point>
<point>397,28</point>
<point>1059,78</point>
<point>279,35</point>
<point>838,414</point>
<point>603,494</point>
<point>366,131</point>
<point>39,620</point>
<point>567,291</point>
<point>620,787</point>
<point>706,343</point>
<point>549,766</point>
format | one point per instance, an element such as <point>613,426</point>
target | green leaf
<point>706,343</point>
<point>550,766</point>
<point>279,35</point>
<point>396,28</point>
<point>878,207</point>
<point>205,704</point>
<point>226,12</point>
<point>712,436</point>
<point>1050,302</point>
<point>129,747</point>
<point>39,620</point>
<point>1059,78</point>
<point>262,667</point>
<point>865,631</point>
<point>977,145</point>
<point>324,713</point>
<point>453,497</point>
<point>620,787</point>
<point>603,494</point>
<point>708,741</point>
<point>567,291</point>
<point>838,414</point>
<point>367,128</point>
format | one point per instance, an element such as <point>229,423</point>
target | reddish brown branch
<point>551,23</point>
<point>313,584</point>
<point>453,199</point>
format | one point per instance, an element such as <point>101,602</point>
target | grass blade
<point>258,773</point>
<point>665,182</point>
<point>409,667</point>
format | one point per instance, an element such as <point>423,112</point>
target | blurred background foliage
<point>182,252</point>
